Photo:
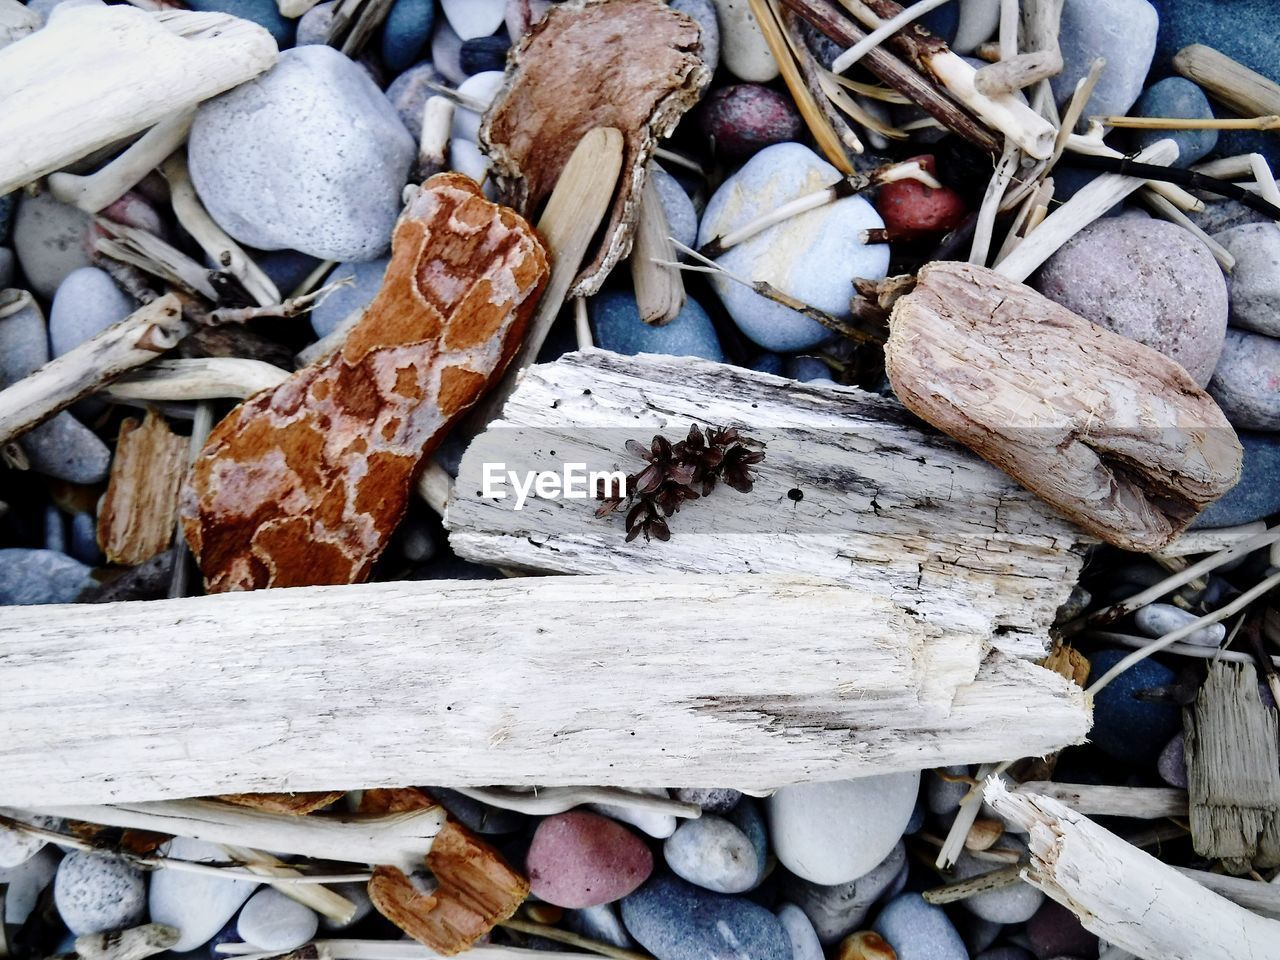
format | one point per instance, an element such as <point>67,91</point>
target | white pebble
<point>272,921</point>
<point>1157,619</point>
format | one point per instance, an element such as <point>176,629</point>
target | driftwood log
<point>626,680</point>
<point>852,487</point>
<point>1112,433</point>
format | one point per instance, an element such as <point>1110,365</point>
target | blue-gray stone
<point>49,239</point>
<point>55,530</point>
<point>682,218</point>
<point>839,909</point>
<point>805,944</point>
<point>746,816</point>
<point>198,904</point>
<point>405,32</point>
<point>409,92</point>
<point>314,25</point>
<point>1257,494</point>
<point>1124,727</point>
<point>446,51</point>
<point>40,576</point>
<point>807,370</point>
<point>714,854</point>
<point>271,921</point>
<point>1123,32</point>
<point>6,268</point>
<point>942,21</point>
<point>711,799</point>
<point>704,12</point>
<point>1012,904</point>
<point>96,893</point>
<point>6,215</point>
<point>484,53</point>
<point>602,923</point>
<point>83,544</point>
<point>917,817</point>
<point>310,156</point>
<point>768,363</point>
<point>478,816</point>
<point>1221,213</point>
<point>87,302</point>
<point>357,893</point>
<point>286,268</point>
<point>977,934</point>
<point>616,326</point>
<point>1232,143</point>
<point>1176,97</point>
<point>1242,29</point>
<point>366,281</point>
<point>265,13</point>
<point>944,796</point>
<point>675,920</point>
<point>918,930</point>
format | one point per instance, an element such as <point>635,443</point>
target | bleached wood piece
<point>1125,895</point>
<point>1261,898</point>
<point>90,79</point>
<point>777,680</point>
<point>204,378</point>
<point>1244,91</point>
<point>1092,144</point>
<point>659,289</point>
<point>137,339</point>
<point>885,506</point>
<point>435,486</point>
<point>1141,803</point>
<point>1194,542</point>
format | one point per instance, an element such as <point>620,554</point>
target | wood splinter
<point>139,512</point>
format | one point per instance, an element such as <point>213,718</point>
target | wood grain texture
<point>139,512</point>
<point>753,681</point>
<point>304,483</point>
<point>629,64</point>
<point>1115,435</point>
<point>885,504</point>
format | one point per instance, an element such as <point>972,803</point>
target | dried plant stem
<point>1029,216</point>
<point>434,486</point>
<point>1263,177</point>
<point>137,339</point>
<point>582,324</point>
<point>1226,168</point>
<point>543,801</point>
<point>970,807</point>
<point>319,898</point>
<point>293,307</point>
<point>1163,208</point>
<point>1191,123</point>
<point>997,879</point>
<point>1194,542</point>
<point>1261,898</point>
<point>1024,70</point>
<point>1245,92</point>
<point>573,939</point>
<point>661,153</point>
<point>814,78</point>
<point>996,187</point>
<point>136,943</point>
<point>152,255</point>
<point>883,32</point>
<point>1075,108</point>
<point>206,378</point>
<point>180,575</point>
<point>1176,649</point>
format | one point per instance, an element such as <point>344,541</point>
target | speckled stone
<point>366,281</point>
<point>836,911</point>
<point>714,854</point>
<point>1147,280</point>
<point>408,94</point>
<point>1124,727</point>
<point>40,576</point>
<point>682,217</point>
<point>50,240</point>
<point>1157,619</point>
<point>579,859</point>
<point>710,799</point>
<point>742,46</point>
<point>1172,762</point>
<point>805,944</point>
<point>1246,383</point>
<point>742,119</point>
<point>86,303</point>
<point>1242,29</point>
<point>405,32</point>
<point>704,12</point>
<point>1123,32</point>
<point>1257,494</point>
<point>1221,214</point>
<point>1176,97</point>
<point>96,894</point>
<point>918,930</point>
<point>271,921</point>
<point>616,326</point>
<point>675,920</point>
<point>1255,281</point>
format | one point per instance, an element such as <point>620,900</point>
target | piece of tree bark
<point>851,488</point>
<point>1233,770</point>
<point>1115,435</point>
<point>774,681</point>
<point>1125,895</point>
<point>139,512</point>
<point>304,484</point>
<point>629,64</point>
<point>88,80</point>
<point>294,804</point>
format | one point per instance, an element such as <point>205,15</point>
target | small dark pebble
<point>485,53</point>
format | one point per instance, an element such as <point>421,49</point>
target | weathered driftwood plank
<point>97,75</point>
<point>630,681</point>
<point>1125,895</point>
<point>852,487</point>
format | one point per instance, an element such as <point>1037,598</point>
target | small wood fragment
<point>293,804</point>
<point>209,378</point>
<point>659,289</point>
<point>1108,431</point>
<point>1100,800</point>
<point>1024,70</point>
<point>315,896</point>
<point>1243,91</point>
<point>1233,770</point>
<point>135,943</point>
<point>139,511</point>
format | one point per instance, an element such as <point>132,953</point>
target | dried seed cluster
<point>685,470</point>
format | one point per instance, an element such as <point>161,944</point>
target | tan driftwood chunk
<point>140,510</point>
<point>1115,435</point>
<point>629,64</point>
<point>303,483</point>
<point>294,804</point>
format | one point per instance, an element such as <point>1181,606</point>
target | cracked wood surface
<point>753,681</point>
<point>885,503</point>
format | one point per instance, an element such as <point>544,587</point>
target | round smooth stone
<point>198,904</point>
<point>1244,30</point>
<point>1056,931</point>
<point>682,217</point>
<point>1176,97</point>
<point>465,158</point>
<point>814,256</point>
<point>602,923</point>
<point>616,326</point>
<point>474,18</point>
<point>710,799</point>
<point>839,909</point>
<point>271,921</point>
<point>26,882</point>
<point>918,930</point>
<point>807,370</point>
<point>742,46</point>
<point>1012,904</point>
<point>1157,619</point>
<point>40,576</point>
<point>944,796</point>
<point>746,816</point>
<point>978,20</point>
<point>1172,762</point>
<point>265,13</point>
<point>86,303</point>
<point>714,854</point>
<point>484,54</point>
<point>742,119</point>
<point>805,944</point>
<point>910,207</point>
<point>408,94</point>
<point>1255,281</point>
<point>286,268</point>
<point>314,25</point>
<point>446,52</point>
<point>1123,32</point>
<point>1257,494</point>
<point>579,859</point>
<point>64,448</point>
<point>366,282</point>
<point>1147,280</point>
<point>310,156</point>
<point>483,87</point>
<point>675,920</point>
<point>704,12</point>
<point>1124,727</point>
<point>1246,383</point>
<point>50,239</point>
<point>97,894</point>
<point>405,32</point>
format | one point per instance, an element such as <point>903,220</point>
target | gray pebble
<point>86,303</point>
<point>1176,97</point>
<point>1172,762</point>
<point>50,240</point>
<point>7,201</point>
<point>83,543</point>
<point>602,923</point>
<point>310,156</point>
<point>1012,904</point>
<point>838,910</point>
<point>918,930</point>
<point>710,799</point>
<point>408,93</point>
<point>714,854</point>
<point>944,796</point>
<point>805,944</point>
<point>26,882</point>
<point>704,12</point>
<point>96,893</point>
<point>1255,281</point>
<point>1221,214</point>
<point>1246,383</point>
<point>1157,619</point>
<point>366,282</point>
<point>978,934</point>
<point>195,903</point>
<point>682,218</point>
<point>272,921</point>
<point>1123,32</point>
<point>446,52</point>
<point>313,26</point>
<point>357,893</point>
<point>40,576</point>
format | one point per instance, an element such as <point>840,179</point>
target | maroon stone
<point>743,119</point>
<point>580,859</point>
<point>909,208</point>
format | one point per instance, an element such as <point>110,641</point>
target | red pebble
<point>580,859</point>
<point>744,118</point>
<point>909,208</point>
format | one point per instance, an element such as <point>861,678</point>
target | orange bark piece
<point>294,804</point>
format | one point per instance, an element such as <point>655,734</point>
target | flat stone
<point>30,576</point>
<point>26,882</point>
<point>50,239</point>
<point>1157,619</point>
<point>1255,281</point>
<point>310,156</point>
<point>675,920</point>
<point>1124,727</point>
<point>682,217</point>
<point>1012,904</point>
<point>366,280</point>
<point>198,904</point>
<point>579,859</point>
<point>1257,494</point>
<point>86,303</point>
<point>834,832</point>
<point>1147,280</point>
<point>408,94</point>
<point>1246,383</point>
<point>710,799</point>
<point>1180,98</point>
<point>405,32</point>
<point>837,910</point>
<point>474,18</point>
<point>805,944</point>
<point>1123,32</point>
<point>742,46</point>
<point>814,256</point>
<point>742,119</point>
<point>271,921</point>
<point>96,893</point>
<point>616,326</point>
<point>704,12</point>
<point>918,930</point>
<point>714,854</point>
